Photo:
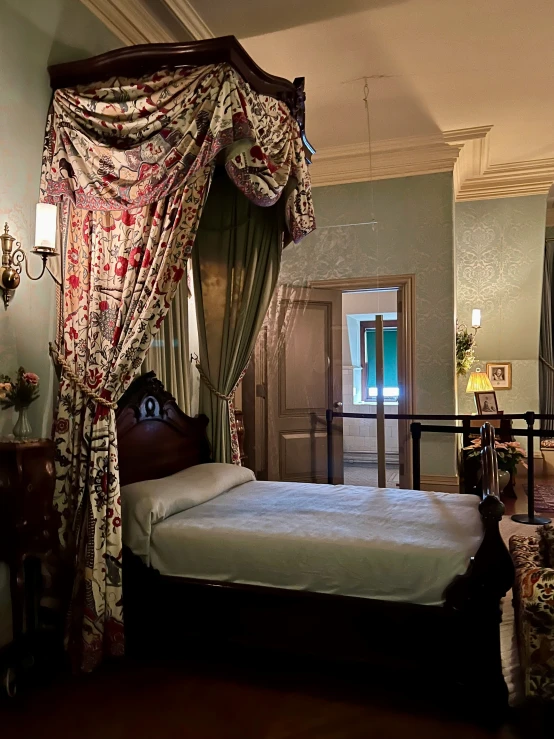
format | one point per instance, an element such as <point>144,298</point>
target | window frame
<point>368,326</point>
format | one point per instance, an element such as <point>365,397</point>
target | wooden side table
<point>28,526</point>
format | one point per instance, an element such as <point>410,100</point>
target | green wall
<point>35,33</point>
<point>499,267</point>
<point>414,236</point>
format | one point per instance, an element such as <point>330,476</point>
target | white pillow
<point>146,503</point>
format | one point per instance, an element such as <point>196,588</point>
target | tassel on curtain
<point>131,161</point>
<point>236,263</point>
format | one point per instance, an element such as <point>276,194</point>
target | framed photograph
<point>486,403</point>
<point>500,375</point>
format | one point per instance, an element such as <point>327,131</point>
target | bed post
<point>474,599</point>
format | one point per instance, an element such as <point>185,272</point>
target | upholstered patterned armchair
<point>534,610</point>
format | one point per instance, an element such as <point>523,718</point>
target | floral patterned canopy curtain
<point>131,163</point>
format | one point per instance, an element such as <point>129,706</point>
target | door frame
<point>406,286</point>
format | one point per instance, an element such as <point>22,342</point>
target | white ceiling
<point>433,65</point>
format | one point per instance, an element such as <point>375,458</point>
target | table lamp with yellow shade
<point>478,383</point>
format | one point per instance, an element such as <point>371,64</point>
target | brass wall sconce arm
<point>12,263</point>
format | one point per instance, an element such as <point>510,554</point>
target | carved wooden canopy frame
<point>135,61</point>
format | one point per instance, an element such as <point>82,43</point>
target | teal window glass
<point>390,358</point>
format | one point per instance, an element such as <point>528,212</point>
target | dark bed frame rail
<point>417,429</point>
<point>453,649</point>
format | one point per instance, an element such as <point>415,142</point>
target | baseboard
<point>369,458</point>
<point>440,483</point>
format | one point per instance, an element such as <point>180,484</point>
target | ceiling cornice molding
<point>130,21</point>
<point>473,158</point>
<point>189,18</point>
<point>391,158</point>
<point>464,152</point>
<point>512,179</point>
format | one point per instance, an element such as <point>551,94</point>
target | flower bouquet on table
<point>19,393</point>
<point>509,455</point>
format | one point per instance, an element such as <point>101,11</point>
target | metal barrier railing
<point>417,429</point>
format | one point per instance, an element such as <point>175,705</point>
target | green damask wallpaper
<point>499,267</point>
<point>34,34</point>
<point>414,236</point>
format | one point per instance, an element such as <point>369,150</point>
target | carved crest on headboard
<point>146,396</point>
<point>155,438</point>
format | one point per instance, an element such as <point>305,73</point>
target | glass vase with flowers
<point>509,455</point>
<point>19,393</point>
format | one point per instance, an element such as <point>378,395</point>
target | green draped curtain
<point>236,261</point>
<point>169,355</point>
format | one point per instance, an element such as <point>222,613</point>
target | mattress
<point>392,545</point>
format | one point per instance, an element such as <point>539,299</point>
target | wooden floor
<point>197,700</point>
<point>200,702</point>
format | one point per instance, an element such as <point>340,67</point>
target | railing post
<point>415,430</point>
<point>380,380</point>
<point>530,517</point>
<point>329,420</point>
<point>466,426</point>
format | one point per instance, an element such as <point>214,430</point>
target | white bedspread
<point>396,545</point>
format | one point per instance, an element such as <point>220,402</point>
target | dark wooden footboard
<point>474,599</point>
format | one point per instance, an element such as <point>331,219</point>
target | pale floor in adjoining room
<point>366,474</point>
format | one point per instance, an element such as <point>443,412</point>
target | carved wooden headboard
<point>155,437</point>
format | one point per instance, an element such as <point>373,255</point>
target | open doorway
<point>305,364</point>
<point>393,297</point>
<point>359,384</point>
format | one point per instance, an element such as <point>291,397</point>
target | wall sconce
<point>45,247</point>
<point>476,319</point>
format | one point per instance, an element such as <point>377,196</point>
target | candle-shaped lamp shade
<point>476,318</point>
<point>45,233</point>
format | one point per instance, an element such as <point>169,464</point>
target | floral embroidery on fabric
<point>130,162</point>
<point>178,120</point>
<point>534,605</point>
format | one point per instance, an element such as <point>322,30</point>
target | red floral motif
<point>121,266</point>
<point>62,426</point>
<point>103,305</point>
<point>178,273</point>
<point>147,259</point>
<point>73,256</point>
<point>116,522</point>
<point>135,257</point>
<point>73,333</point>
<point>128,218</point>
<point>94,378</point>
<point>257,154</point>
<point>73,281</point>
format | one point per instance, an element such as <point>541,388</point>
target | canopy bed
<point>153,155</point>
<point>405,580</point>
